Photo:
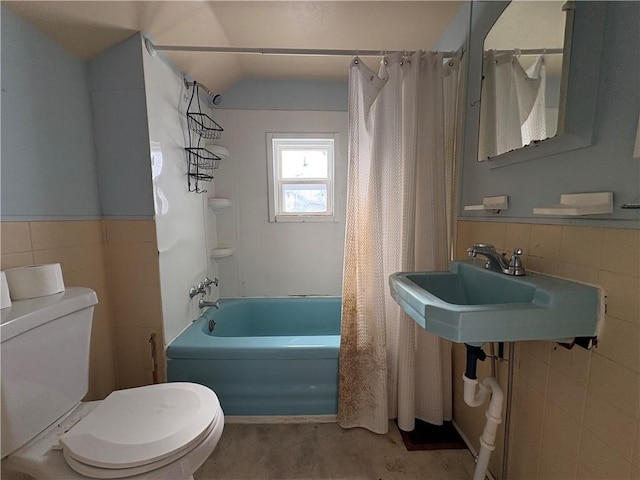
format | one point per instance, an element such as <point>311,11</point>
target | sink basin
<point>470,304</point>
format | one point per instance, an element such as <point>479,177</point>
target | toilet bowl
<point>162,432</point>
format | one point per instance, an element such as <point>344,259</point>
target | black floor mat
<point>432,437</point>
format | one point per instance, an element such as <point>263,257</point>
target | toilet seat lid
<point>142,425</point>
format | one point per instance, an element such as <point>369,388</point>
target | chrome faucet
<point>498,261</point>
<point>202,287</point>
<point>202,303</point>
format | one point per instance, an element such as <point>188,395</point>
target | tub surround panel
<point>180,215</point>
<point>583,403</point>
<point>275,259</point>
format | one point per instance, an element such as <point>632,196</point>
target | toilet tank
<point>44,356</point>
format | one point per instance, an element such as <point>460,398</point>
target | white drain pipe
<point>476,397</point>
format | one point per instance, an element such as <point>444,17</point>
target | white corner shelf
<point>500,202</point>
<point>221,252</point>
<point>575,204</point>
<point>217,204</point>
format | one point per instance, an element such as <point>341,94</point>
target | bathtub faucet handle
<point>207,281</point>
<point>201,287</point>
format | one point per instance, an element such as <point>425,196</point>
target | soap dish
<point>221,252</point>
<point>575,204</point>
<point>217,204</point>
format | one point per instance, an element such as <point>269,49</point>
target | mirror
<point>522,76</point>
<point>583,52</point>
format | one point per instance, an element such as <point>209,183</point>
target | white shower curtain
<point>399,193</point>
<point>512,107</point>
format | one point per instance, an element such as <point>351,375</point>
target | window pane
<point>304,198</point>
<point>304,163</point>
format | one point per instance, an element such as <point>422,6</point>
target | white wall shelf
<point>221,252</point>
<point>500,202</point>
<point>217,204</point>
<point>575,204</point>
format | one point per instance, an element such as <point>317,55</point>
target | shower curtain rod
<point>531,51</point>
<point>277,51</point>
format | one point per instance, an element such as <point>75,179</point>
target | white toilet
<point>162,432</point>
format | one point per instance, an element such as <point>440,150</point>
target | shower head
<point>214,100</point>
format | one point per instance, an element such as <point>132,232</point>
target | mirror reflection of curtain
<point>512,109</point>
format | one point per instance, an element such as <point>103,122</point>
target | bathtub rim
<point>193,343</point>
<point>202,312</point>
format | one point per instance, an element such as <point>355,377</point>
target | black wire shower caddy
<point>200,162</point>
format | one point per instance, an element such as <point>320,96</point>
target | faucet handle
<point>207,281</point>
<point>515,264</point>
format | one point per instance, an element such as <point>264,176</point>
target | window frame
<point>275,142</point>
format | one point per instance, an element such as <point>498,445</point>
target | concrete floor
<point>318,451</point>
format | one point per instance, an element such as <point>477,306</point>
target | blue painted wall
<point>121,131</point>
<point>286,95</point>
<point>606,165</point>
<point>48,161</point>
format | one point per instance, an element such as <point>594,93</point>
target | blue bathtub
<point>264,356</point>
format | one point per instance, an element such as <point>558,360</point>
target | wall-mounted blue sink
<point>471,304</point>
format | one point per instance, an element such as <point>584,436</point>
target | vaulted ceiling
<point>88,28</point>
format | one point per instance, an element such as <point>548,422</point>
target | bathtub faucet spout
<point>202,303</point>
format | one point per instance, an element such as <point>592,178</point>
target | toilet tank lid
<point>24,315</point>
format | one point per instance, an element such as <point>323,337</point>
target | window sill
<point>303,219</point>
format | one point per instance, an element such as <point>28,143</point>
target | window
<point>300,177</point>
